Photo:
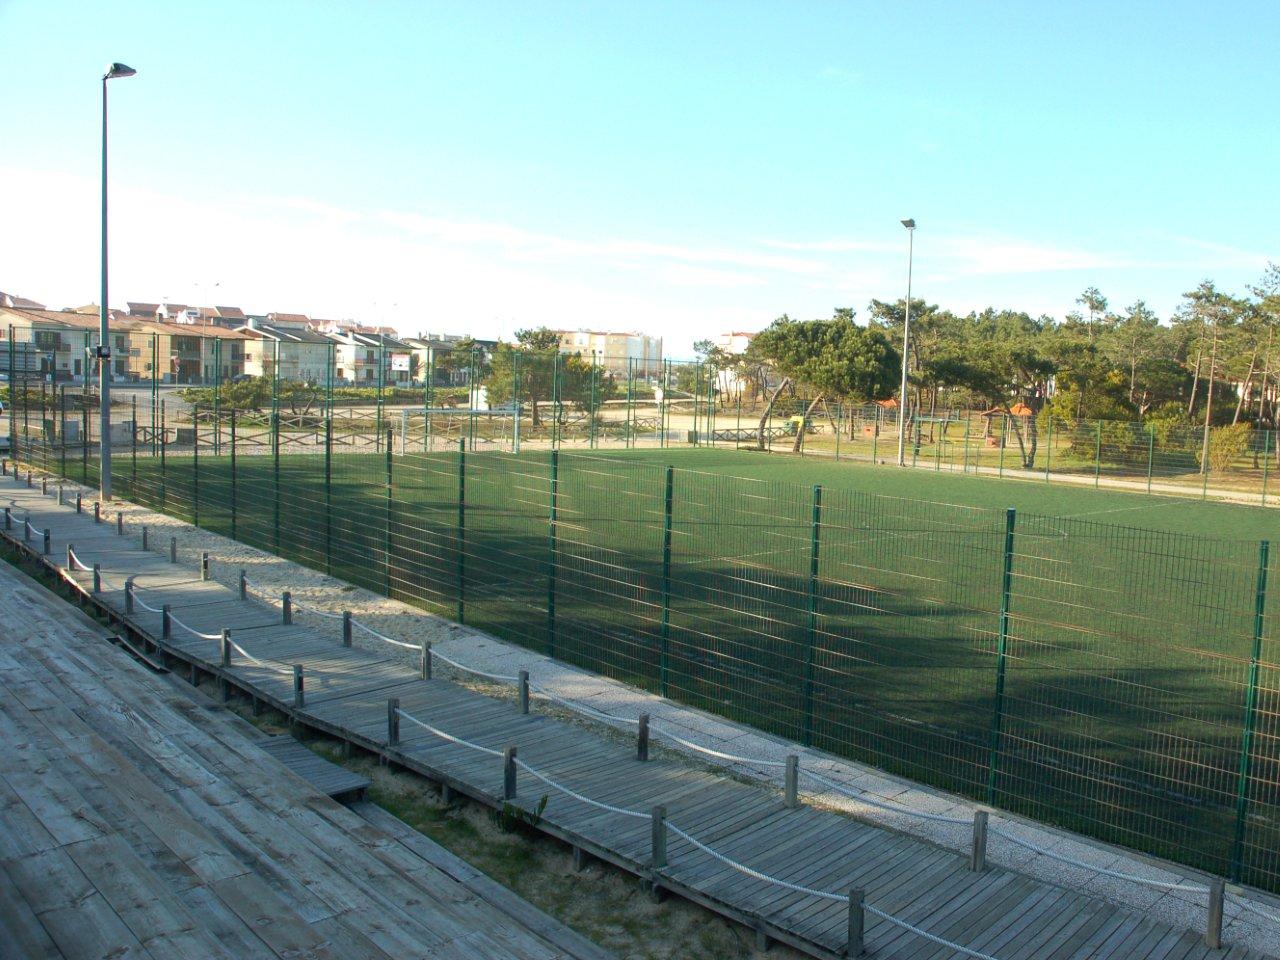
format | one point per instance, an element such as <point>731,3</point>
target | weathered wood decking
<point>346,691</point>
<point>136,823</point>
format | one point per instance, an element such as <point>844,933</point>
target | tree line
<point>1215,363</point>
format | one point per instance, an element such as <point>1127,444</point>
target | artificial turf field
<point>1126,647</point>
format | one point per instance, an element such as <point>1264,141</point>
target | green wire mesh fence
<point>1118,682</point>
<point>1122,683</point>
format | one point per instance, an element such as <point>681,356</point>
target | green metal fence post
<point>84,440</point>
<point>1004,437</point>
<point>551,552</point>
<point>195,465</point>
<point>462,529</point>
<point>811,642</point>
<point>1048,450</point>
<point>133,453</point>
<point>839,427</point>
<point>631,403</point>
<point>1268,439</point>
<point>164,478</point>
<point>1250,715</point>
<point>328,495</point>
<point>964,468</point>
<point>234,505</point>
<point>1151,454</point>
<point>155,386</point>
<point>664,653</point>
<point>1002,651</point>
<point>62,428</point>
<point>390,510</point>
<point>275,478</point>
<point>1097,456</point>
<point>594,407</point>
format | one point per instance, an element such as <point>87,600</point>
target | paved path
<point>728,843</point>
<point>136,823</point>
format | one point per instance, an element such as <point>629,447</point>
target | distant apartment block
<point>286,352</point>
<point>617,352</point>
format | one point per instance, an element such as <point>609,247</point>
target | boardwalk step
<point>329,778</point>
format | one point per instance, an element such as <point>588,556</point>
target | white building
<point>617,352</point>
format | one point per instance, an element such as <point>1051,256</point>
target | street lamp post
<point>906,343</point>
<point>104,334</point>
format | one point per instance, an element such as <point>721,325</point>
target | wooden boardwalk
<point>135,823</point>
<point>997,912</point>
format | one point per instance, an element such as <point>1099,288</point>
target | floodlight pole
<point>906,344</point>
<point>104,333</point>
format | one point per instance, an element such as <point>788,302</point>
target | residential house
<point>365,359</point>
<point>620,353</point>
<point>65,341</point>
<point>183,352</point>
<point>21,303</point>
<point>289,353</point>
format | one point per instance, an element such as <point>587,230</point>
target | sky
<point>684,169</point>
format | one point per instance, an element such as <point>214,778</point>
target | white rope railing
<point>1062,858</point>
<point>31,528</point>
<point>1254,908</point>
<point>193,630</point>
<point>863,797</point>
<point>579,707</point>
<point>824,894</point>
<point>898,922</point>
<point>733,758</point>
<point>306,608</point>
<point>621,811</point>
<point>75,563</point>
<point>384,637</point>
<point>447,736</point>
<point>857,796</point>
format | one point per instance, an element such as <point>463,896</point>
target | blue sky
<point>684,168</point>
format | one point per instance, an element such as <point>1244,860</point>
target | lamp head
<point>909,224</point>
<point>118,70</point>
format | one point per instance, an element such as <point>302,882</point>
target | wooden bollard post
<point>145,545</point>
<point>393,721</point>
<point>79,500</point>
<point>173,549</point>
<point>791,782</point>
<point>224,645</point>
<point>978,857</point>
<point>128,596</point>
<point>97,511</point>
<point>286,607</point>
<point>244,586</point>
<point>166,623</point>
<point>299,694</point>
<point>48,541</point>
<point>346,638</point>
<point>509,773</point>
<point>29,484</point>
<point>61,495</point>
<point>1213,929</point>
<point>8,518</point>
<point>658,838</point>
<point>204,566</point>
<point>70,555</point>
<point>97,578</point>
<point>642,737</point>
<point>524,691</point>
<point>26,529</point>
<point>857,919</point>
<point>44,486</point>
<point>424,664</point>
<point>119,523</point>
